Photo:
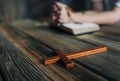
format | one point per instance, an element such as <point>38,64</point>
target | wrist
<point>73,16</point>
<point>76,17</point>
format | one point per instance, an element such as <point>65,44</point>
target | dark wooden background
<point>22,9</point>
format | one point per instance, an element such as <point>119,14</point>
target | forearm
<point>108,17</point>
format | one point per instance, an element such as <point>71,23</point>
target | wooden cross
<point>66,58</point>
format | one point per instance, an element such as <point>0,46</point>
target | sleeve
<point>118,3</point>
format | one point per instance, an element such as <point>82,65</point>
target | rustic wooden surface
<point>15,66</point>
<point>26,62</point>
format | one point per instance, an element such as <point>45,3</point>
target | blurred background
<point>35,9</point>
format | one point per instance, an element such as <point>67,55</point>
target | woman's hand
<point>60,13</point>
<point>55,13</point>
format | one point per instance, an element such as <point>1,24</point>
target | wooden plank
<point>55,72</point>
<point>111,29</point>
<point>108,35</point>
<point>95,39</point>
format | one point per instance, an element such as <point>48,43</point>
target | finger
<point>58,13</point>
<point>53,17</point>
<point>55,8</point>
<point>56,4</point>
<point>52,14</point>
<point>55,14</point>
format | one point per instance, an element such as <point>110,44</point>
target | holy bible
<point>75,29</point>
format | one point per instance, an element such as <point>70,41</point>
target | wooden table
<point>22,53</point>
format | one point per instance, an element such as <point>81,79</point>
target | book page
<point>79,26</point>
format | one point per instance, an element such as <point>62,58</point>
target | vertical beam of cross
<point>68,62</point>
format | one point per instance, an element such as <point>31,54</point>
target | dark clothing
<point>78,5</point>
<point>81,5</point>
<point>109,4</point>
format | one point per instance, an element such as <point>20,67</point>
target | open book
<point>75,29</point>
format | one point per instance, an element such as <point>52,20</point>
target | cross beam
<point>66,57</point>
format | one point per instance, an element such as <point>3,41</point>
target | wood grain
<point>15,66</point>
<point>35,51</point>
<point>105,64</point>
